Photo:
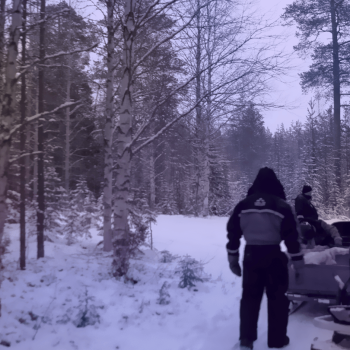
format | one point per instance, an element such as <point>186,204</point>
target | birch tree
<point>124,137</point>
<point>8,114</point>
<point>108,134</point>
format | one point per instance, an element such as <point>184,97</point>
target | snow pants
<point>265,268</point>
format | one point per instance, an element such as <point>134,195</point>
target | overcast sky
<point>288,93</point>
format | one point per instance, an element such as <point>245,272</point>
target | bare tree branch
<point>41,115</point>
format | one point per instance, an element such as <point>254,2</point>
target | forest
<point>115,112</point>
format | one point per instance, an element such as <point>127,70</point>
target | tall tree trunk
<point>336,95</point>
<point>152,177</point>
<point>29,97</point>
<point>41,188</point>
<point>67,148</point>
<point>2,46</point>
<point>35,163</point>
<point>108,160</point>
<point>8,116</point>
<point>28,159</point>
<point>122,183</point>
<point>152,172</point>
<point>199,130</point>
<point>23,103</point>
<point>206,120</point>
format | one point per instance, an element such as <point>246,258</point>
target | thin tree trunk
<point>23,103</point>
<point>67,150</point>
<point>122,184</point>
<point>2,46</point>
<point>35,165</point>
<point>8,116</point>
<point>41,188</point>
<point>199,131</point>
<point>28,160</point>
<point>206,165</point>
<point>108,160</point>
<point>152,178</point>
<point>152,172</point>
<point>336,96</point>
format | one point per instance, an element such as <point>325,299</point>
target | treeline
<point>300,154</point>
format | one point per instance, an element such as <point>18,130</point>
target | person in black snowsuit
<point>264,219</point>
<point>314,230</point>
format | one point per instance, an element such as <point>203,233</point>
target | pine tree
<point>330,59</point>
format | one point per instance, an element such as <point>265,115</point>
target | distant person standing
<point>319,233</point>
<point>264,219</point>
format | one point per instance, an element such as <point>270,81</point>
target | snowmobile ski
<point>296,305</point>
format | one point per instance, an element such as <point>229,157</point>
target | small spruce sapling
<point>78,218</point>
<point>140,220</point>
<point>12,202</point>
<point>164,296</point>
<point>87,315</point>
<point>55,196</point>
<point>190,271</point>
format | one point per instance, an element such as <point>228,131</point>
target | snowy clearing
<point>46,306</point>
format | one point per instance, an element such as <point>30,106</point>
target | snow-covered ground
<point>45,306</point>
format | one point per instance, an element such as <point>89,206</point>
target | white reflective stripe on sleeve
<point>300,217</point>
<point>263,211</point>
<point>296,254</point>
<point>232,251</point>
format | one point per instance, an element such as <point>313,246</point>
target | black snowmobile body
<point>320,282</point>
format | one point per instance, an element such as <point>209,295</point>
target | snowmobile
<point>327,284</point>
<point>322,283</point>
<point>339,322</point>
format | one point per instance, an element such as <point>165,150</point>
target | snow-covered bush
<point>4,249</point>
<point>164,296</point>
<point>140,221</point>
<point>87,314</point>
<point>190,271</point>
<point>97,215</point>
<point>12,202</point>
<point>167,257</point>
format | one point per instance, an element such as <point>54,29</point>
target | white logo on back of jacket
<point>260,203</point>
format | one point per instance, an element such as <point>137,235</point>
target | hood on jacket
<point>267,182</point>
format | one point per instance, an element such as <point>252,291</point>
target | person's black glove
<point>234,264</point>
<point>298,266</point>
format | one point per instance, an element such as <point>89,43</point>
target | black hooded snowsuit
<point>264,219</point>
<point>321,232</point>
<point>305,210</point>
